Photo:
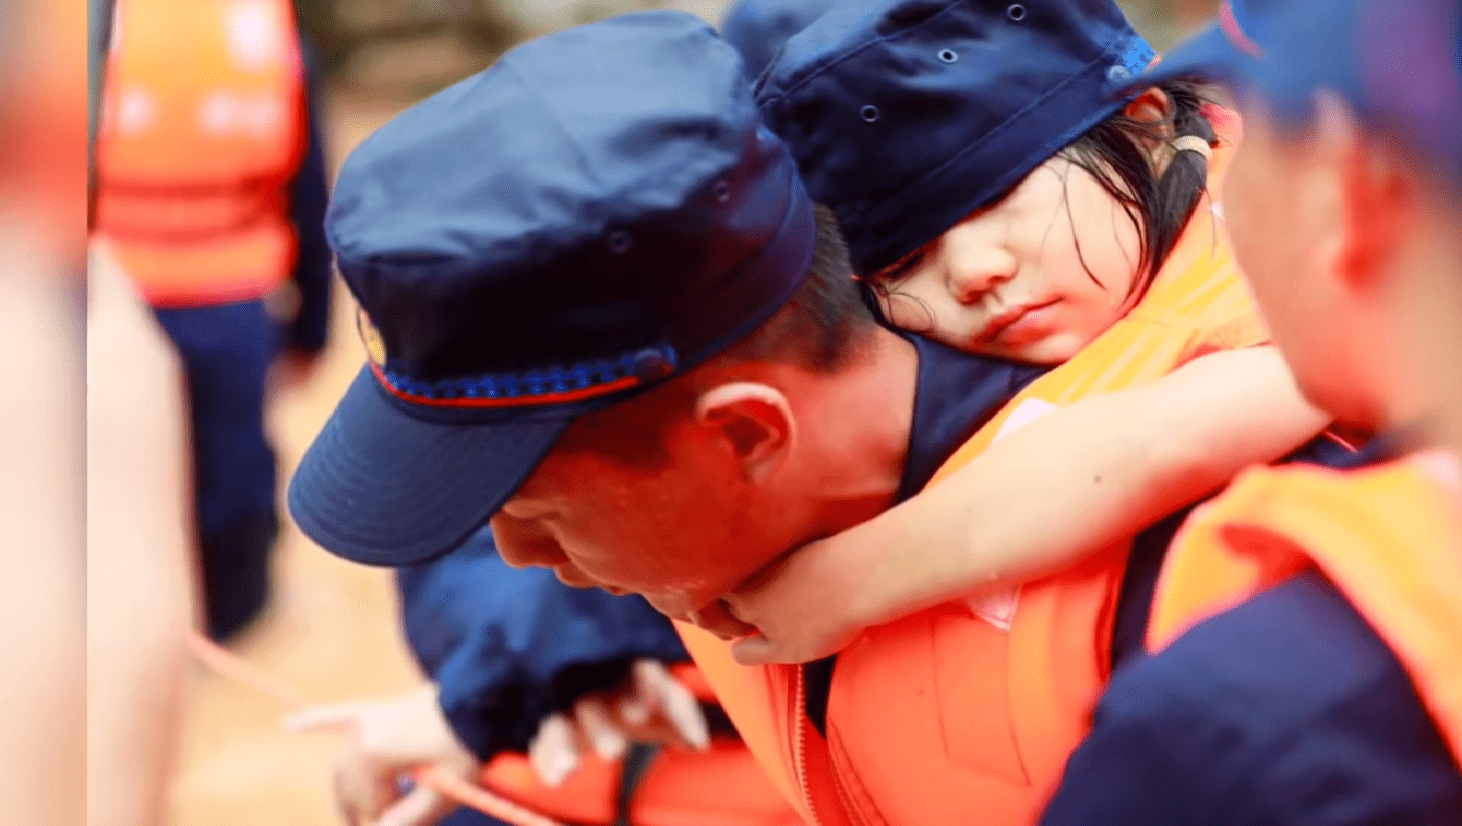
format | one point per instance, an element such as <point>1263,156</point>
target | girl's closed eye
<point>892,274</point>
<point>1036,273</point>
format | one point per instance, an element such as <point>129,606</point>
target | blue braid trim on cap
<point>547,385</point>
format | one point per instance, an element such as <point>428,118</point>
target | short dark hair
<point>822,329</point>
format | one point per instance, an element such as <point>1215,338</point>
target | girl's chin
<point>1048,350</point>
<point>1052,352</point>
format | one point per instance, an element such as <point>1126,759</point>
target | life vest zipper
<point>799,722</point>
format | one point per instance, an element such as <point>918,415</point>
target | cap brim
<point>1209,54</point>
<point>381,487</point>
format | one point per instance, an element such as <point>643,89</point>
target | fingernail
<point>560,768</point>
<point>700,734</point>
<point>745,652</point>
<point>609,746</point>
<point>634,712</point>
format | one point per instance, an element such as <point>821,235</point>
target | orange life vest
<point>967,713</point>
<point>723,786</point>
<point>1389,537</point>
<point>202,130</point>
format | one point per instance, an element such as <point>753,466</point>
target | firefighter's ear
<point>1375,194</point>
<point>754,422</point>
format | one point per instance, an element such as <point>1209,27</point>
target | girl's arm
<point>1073,482</point>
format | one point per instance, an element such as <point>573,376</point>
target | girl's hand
<point>806,608</point>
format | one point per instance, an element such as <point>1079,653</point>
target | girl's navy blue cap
<point>1397,64</point>
<point>908,115</point>
<point>599,211</point>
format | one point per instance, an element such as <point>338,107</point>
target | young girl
<point>1104,256</point>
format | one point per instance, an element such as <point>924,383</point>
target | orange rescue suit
<point>967,713</point>
<point>1389,538</point>
<point>203,128</point>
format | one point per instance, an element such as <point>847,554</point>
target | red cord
<point>459,791</point>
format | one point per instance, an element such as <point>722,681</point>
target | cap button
<point>1118,73</point>
<point>653,363</point>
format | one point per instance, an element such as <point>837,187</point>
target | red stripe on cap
<point>577,394</point>
<point>1235,33</point>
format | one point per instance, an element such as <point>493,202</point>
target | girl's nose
<point>973,263</point>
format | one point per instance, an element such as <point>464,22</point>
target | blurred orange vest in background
<point>203,127</point>
<point>1388,537</point>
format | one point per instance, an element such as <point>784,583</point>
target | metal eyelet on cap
<point>652,363</point>
<point>948,55</point>
<point>722,191</point>
<point>869,113</point>
<point>1015,12</point>
<point>619,242</point>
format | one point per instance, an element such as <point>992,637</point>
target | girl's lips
<point>1012,322</point>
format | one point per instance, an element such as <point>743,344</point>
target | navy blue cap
<point>758,28</point>
<point>1398,63</point>
<point>908,115</point>
<point>600,210</point>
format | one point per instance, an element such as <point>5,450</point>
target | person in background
<point>211,197</point>
<point>1433,294</point>
<point>1306,635</point>
<point>138,563</point>
<point>140,589</point>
